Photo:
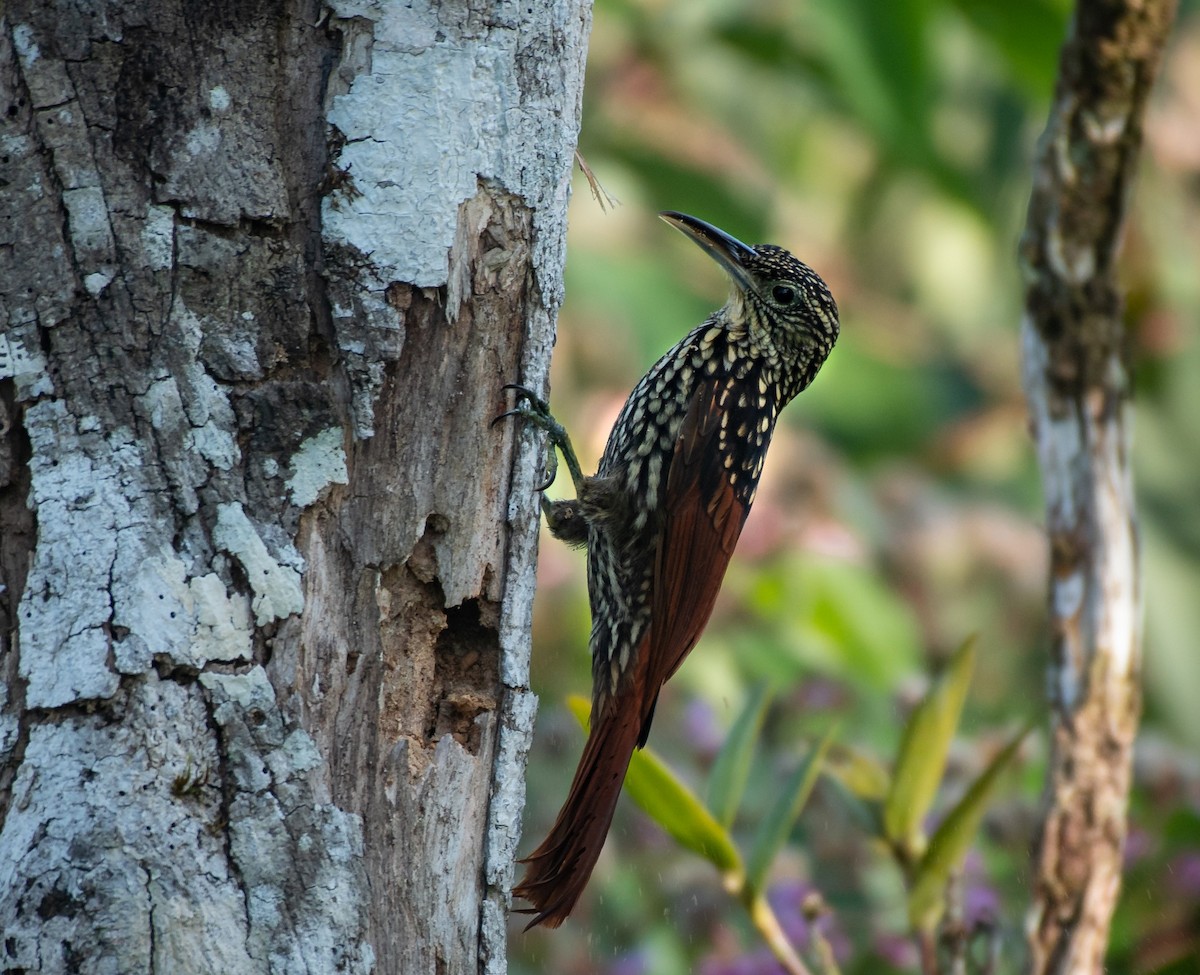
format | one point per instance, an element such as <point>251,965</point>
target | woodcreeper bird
<point>662,514</point>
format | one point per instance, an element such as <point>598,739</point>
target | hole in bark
<point>58,903</point>
<point>465,660</point>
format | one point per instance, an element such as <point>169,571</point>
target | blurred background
<point>888,145</point>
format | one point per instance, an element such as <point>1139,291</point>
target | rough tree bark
<point>266,570</point>
<point>1077,381</point>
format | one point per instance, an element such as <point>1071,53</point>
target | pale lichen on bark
<point>1077,381</point>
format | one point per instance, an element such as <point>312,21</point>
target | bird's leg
<point>534,409</point>
<point>564,518</point>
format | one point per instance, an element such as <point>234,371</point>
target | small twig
<point>598,191</point>
<point>815,908</point>
<point>927,946</point>
<point>764,920</point>
<point>954,931</point>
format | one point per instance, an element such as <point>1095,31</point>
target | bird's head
<point>781,301</point>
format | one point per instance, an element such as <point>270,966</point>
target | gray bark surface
<point>266,569</point>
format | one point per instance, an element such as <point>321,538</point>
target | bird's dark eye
<point>782,294</point>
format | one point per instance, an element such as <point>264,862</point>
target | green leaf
<point>781,817</point>
<point>923,752</point>
<point>732,767</point>
<point>671,804</point>
<point>861,774</point>
<point>951,840</point>
<point>833,617</point>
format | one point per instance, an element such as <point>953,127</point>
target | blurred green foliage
<point>888,145</point>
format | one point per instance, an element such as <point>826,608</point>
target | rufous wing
<point>704,511</point>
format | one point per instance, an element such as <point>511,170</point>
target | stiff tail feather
<point>558,870</point>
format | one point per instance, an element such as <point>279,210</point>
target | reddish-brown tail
<point>559,869</point>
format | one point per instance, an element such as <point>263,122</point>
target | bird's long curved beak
<point>727,251</point>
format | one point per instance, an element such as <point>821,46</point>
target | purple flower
<point>821,694</point>
<point>897,950</point>
<point>700,724</point>
<point>631,963</point>
<point>761,962</point>
<point>1185,874</point>
<point>980,904</point>
<point>787,901</point>
<point>1138,845</point>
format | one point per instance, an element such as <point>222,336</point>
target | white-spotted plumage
<point>755,382</point>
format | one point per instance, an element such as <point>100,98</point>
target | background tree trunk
<point>267,571</point>
<point>1077,380</point>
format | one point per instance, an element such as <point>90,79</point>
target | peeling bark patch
<point>433,414</point>
<point>436,87</point>
<point>428,518</point>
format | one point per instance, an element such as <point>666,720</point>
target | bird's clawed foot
<point>532,408</point>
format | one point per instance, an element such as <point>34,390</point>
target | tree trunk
<point>267,570</point>
<point>1078,384</point>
